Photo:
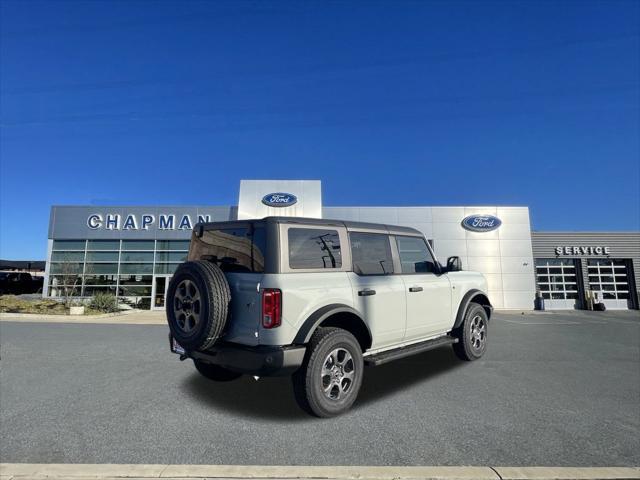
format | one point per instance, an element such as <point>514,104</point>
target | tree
<point>67,278</point>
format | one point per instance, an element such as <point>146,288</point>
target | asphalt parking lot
<point>553,389</point>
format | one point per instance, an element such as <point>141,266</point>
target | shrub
<point>104,302</point>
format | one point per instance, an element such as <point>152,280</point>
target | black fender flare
<point>316,318</point>
<point>466,300</point>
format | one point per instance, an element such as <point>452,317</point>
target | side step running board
<point>402,352</point>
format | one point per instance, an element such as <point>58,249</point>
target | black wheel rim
<point>187,306</point>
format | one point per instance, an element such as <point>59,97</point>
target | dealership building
<point>132,252</point>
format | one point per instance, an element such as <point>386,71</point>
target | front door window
<point>428,292</point>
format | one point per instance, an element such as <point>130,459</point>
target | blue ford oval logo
<point>481,223</point>
<point>279,199</point>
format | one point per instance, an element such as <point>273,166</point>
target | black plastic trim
<point>466,300</point>
<point>408,350</point>
<point>320,315</point>
<point>261,360</point>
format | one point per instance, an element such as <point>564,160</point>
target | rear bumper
<point>262,360</point>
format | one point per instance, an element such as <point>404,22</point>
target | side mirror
<point>454,264</point>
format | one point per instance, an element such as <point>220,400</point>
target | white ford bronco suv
<point>318,299</point>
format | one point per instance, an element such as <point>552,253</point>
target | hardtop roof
<point>348,224</point>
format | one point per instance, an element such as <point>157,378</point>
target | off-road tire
<point>308,380</point>
<point>208,281</point>
<point>215,372</point>
<point>472,344</point>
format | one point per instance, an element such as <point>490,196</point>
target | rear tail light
<point>271,308</point>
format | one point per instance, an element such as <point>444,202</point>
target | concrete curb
<point>23,471</point>
<point>128,317</point>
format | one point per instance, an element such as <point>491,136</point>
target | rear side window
<point>371,253</point>
<point>314,248</point>
<point>239,249</point>
<point>415,257</point>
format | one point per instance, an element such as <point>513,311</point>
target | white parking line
<point>537,323</point>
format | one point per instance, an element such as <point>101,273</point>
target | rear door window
<point>314,248</point>
<point>371,253</point>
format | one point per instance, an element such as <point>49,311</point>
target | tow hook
<point>183,357</point>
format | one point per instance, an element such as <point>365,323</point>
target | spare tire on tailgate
<point>197,304</point>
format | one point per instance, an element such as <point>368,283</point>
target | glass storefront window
<point>172,245</point>
<point>102,256</point>
<point>101,268</point>
<point>103,245</point>
<point>171,257</point>
<point>136,279</point>
<point>138,244</point>
<point>100,279</point>
<point>66,268</point>
<point>136,257</point>
<point>65,280</point>
<point>90,291</point>
<point>166,268</point>
<point>124,268</point>
<point>129,291</point>
<point>68,245</point>
<point>136,268</point>
<point>67,256</point>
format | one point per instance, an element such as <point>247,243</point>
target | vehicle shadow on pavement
<point>272,398</point>
<point>268,398</point>
<point>394,377</point>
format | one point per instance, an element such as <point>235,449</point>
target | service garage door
<point>610,280</point>
<point>558,283</point>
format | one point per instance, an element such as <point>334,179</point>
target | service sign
<point>481,223</point>
<point>583,250</point>
<point>279,199</point>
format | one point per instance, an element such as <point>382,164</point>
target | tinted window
<point>68,244</point>
<point>137,244</point>
<point>230,248</point>
<point>103,245</point>
<point>415,257</point>
<point>371,254</point>
<point>172,245</point>
<point>314,248</point>
<point>139,256</point>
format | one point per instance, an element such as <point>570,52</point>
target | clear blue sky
<point>388,103</point>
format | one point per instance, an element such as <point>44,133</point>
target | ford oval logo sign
<point>481,223</point>
<point>279,199</point>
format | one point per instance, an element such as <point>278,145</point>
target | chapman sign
<point>589,250</point>
<point>143,222</point>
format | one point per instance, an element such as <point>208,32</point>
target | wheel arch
<point>336,315</point>
<point>473,296</point>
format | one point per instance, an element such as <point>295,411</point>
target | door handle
<point>366,292</point>
<point>415,289</point>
